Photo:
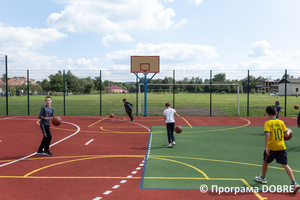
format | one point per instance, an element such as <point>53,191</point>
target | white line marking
<point>134,172</point>
<point>89,142</point>
<point>129,176</point>
<point>107,192</point>
<point>116,186</point>
<point>123,181</point>
<point>141,165</point>
<point>97,198</point>
<point>138,168</point>
<point>78,129</point>
<point>7,118</point>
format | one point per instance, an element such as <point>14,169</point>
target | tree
<point>219,78</point>
<point>96,82</point>
<point>253,82</point>
<point>72,82</point>
<point>57,82</point>
<point>86,85</point>
<point>45,85</point>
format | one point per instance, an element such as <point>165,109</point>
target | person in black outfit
<point>46,115</point>
<point>128,108</point>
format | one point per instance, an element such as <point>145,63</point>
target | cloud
<point>21,43</point>
<point>171,52</point>
<point>117,36</point>
<point>112,17</point>
<point>108,16</point>
<point>197,2</point>
<point>181,23</point>
<point>28,38</point>
<point>261,49</point>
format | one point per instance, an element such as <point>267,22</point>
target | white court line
<point>89,142</point>
<point>107,192</point>
<point>97,198</point>
<point>116,186</point>
<point>7,118</point>
<point>78,129</point>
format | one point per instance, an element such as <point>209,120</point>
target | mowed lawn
<point>89,105</point>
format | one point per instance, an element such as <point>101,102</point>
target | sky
<point>230,36</point>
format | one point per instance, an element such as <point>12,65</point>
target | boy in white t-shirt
<point>170,123</point>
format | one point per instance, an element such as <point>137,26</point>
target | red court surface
<point>94,158</point>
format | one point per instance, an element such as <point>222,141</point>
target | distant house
<point>292,86</point>
<point>268,86</point>
<point>2,84</point>
<point>115,89</point>
<point>18,81</point>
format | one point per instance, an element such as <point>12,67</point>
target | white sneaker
<point>260,179</point>
<point>173,143</point>
<point>295,188</point>
<point>169,145</point>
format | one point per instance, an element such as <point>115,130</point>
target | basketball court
<point>104,158</point>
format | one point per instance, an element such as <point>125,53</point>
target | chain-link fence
<point>191,92</point>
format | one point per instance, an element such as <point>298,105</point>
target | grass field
<point>185,104</point>
<point>214,155</point>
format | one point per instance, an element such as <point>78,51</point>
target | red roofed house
<point>115,89</point>
<point>1,84</point>
<point>18,81</point>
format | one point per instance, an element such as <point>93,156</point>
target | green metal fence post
<point>28,92</point>
<point>100,94</point>
<point>285,88</point>
<point>64,90</point>
<point>174,89</point>
<point>248,92</point>
<point>210,91</point>
<point>6,87</point>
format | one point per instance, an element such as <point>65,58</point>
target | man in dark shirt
<point>128,108</point>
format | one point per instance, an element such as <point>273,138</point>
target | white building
<point>292,86</point>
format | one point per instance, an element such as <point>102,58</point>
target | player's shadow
<point>162,147</point>
<point>257,134</point>
<point>293,149</point>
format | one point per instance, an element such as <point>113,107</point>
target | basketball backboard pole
<point>145,89</point>
<point>145,65</point>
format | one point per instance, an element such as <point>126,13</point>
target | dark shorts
<point>280,156</point>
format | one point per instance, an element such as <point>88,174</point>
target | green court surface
<point>225,156</point>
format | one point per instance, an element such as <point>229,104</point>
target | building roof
<point>290,80</point>
<point>1,82</point>
<point>17,81</point>
<point>114,87</point>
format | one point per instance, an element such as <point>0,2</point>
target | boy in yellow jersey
<point>275,147</point>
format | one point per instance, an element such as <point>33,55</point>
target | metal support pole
<point>248,92</point>
<point>137,96</point>
<point>210,91</point>
<point>285,91</point>
<point>100,94</point>
<point>28,89</point>
<point>174,89</point>
<point>6,87</point>
<point>64,90</point>
<point>145,94</point>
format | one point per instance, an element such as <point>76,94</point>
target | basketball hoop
<point>145,71</point>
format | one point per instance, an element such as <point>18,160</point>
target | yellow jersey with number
<point>276,128</point>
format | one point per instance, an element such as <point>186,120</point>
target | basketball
<point>296,107</point>
<point>56,121</point>
<point>111,115</point>
<point>288,136</point>
<point>178,129</point>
